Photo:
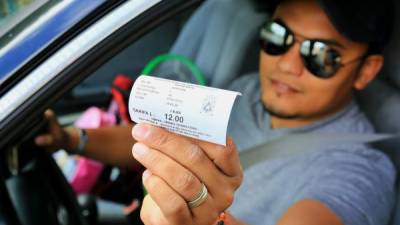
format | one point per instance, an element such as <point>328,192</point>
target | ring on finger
<point>200,197</point>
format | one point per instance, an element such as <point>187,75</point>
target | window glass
<point>16,15</point>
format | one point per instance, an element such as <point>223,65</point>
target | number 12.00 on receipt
<point>192,110</point>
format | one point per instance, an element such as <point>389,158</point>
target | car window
<point>30,30</point>
<point>47,73</point>
<point>95,90</point>
<point>71,52</point>
<point>16,15</point>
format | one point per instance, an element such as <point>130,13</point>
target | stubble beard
<point>278,114</point>
<point>274,112</point>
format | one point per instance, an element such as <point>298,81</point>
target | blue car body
<point>46,33</point>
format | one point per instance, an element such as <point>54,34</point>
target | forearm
<point>111,145</point>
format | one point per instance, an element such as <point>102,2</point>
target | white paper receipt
<point>192,110</point>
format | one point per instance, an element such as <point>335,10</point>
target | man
<point>314,55</point>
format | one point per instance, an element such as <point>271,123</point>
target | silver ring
<point>200,198</point>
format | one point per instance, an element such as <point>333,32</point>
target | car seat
<point>381,102</point>
<point>217,39</point>
<point>221,39</point>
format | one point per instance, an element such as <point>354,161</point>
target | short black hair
<point>366,21</point>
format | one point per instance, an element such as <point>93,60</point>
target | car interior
<point>221,38</point>
<point>380,102</point>
<point>223,49</point>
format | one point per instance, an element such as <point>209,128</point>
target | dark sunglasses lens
<point>273,38</point>
<point>320,59</point>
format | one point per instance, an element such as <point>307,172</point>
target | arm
<point>350,187</point>
<point>309,212</point>
<point>111,145</point>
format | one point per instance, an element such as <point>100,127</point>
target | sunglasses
<point>318,56</point>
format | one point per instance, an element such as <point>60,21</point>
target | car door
<point>32,188</point>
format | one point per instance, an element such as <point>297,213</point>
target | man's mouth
<point>283,88</point>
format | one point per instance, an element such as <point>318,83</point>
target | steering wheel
<point>34,185</point>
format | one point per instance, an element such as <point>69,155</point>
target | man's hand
<point>57,137</point>
<point>176,168</point>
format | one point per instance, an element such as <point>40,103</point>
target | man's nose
<point>291,62</point>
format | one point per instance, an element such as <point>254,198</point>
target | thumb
<point>50,116</point>
<point>53,125</point>
<point>44,140</point>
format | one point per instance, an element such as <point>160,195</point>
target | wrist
<point>77,139</point>
<point>83,139</point>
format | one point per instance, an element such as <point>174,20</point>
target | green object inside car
<point>194,69</point>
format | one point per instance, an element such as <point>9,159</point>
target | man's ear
<point>368,71</point>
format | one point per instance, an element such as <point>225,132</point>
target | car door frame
<point>26,119</point>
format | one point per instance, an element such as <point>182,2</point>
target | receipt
<point>191,110</point>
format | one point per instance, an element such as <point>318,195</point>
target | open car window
<point>30,27</point>
<point>131,27</point>
<point>73,50</point>
<point>14,15</point>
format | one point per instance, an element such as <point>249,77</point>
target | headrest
<point>381,99</point>
<point>381,103</point>
<point>217,38</point>
<point>391,68</point>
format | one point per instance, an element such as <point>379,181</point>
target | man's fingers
<point>179,178</point>
<point>225,157</point>
<point>49,114</point>
<point>150,213</point>
<point>172,205</point>
<point>53,124</point>
<point>193,153</point>
<point>44,140</point>
<point>180,149</point>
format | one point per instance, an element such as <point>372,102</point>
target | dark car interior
<point>221,39</point>
<point>221,52</point>
<point>192,36</point>
<point>35,189</point>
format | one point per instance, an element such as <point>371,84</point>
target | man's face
<point>288,89</point>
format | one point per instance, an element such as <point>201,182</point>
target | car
<point>42,43</point>
<point>65,54</point>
